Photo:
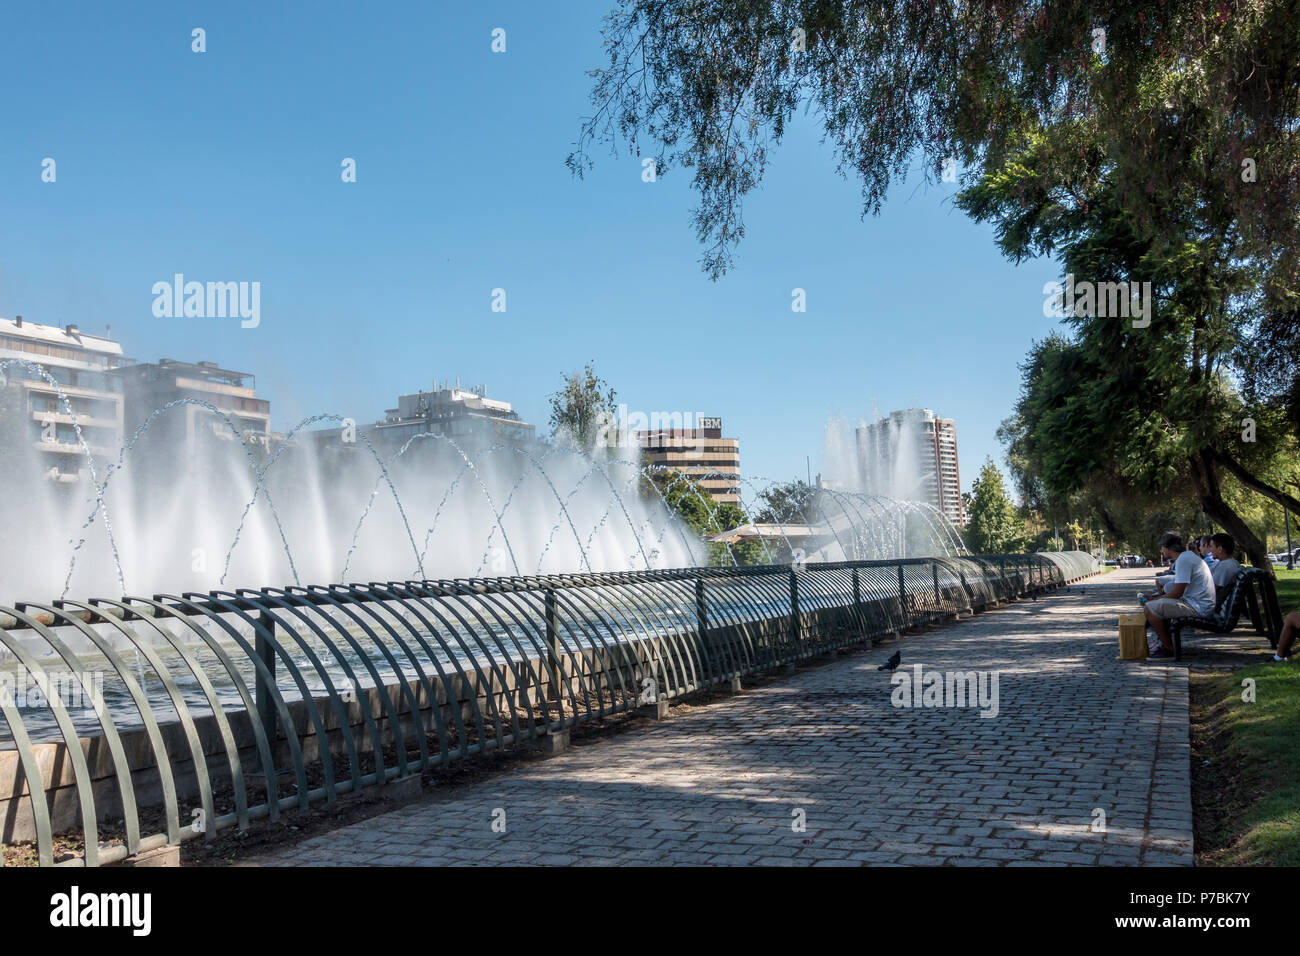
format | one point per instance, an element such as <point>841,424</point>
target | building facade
<point>912,454</point>
<point>700,453</point>
<point>467,416</point>
<point>148,387</point>
<point>80,368</point>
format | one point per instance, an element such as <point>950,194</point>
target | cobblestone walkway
<point>1077,734</point>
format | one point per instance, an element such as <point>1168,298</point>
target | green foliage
<point>1166,153</point>
<point>791,503</point>
<point>581,408</point>
<point>1125,415</point>
<point>994,526</point>
<point>1180,95</point>
<point>704,516</point>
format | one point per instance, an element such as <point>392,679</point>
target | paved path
<point>1077,732</point>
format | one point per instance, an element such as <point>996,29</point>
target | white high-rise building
<point>912,454</point>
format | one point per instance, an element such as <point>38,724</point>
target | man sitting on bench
<point>1226,566</point>
<point>1190,594</point>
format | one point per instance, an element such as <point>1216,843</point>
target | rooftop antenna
<point>875,409</point>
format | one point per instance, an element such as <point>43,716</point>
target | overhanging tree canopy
<point>1177,99</point>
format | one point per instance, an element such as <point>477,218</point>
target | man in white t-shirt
<point>1190,594</point>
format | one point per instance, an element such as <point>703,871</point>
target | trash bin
<point>1132,637</point>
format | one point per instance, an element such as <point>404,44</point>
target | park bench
<point>1251,590</point>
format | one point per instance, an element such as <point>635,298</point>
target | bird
<point>892,663</point>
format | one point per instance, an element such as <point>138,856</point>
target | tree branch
<point>1238,471</point>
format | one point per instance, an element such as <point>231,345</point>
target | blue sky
<point>225,166</point>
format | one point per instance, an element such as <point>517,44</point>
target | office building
<point>713,462</point>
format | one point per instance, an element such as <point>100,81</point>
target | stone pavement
<point>1077,734</point>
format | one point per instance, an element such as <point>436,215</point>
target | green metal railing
<point>223,707</point>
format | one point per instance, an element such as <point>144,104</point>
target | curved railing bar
<point>495,607</point>
<point>80,771</point>
<point>264,745</point>
<point>429,594</point>
<point>278,597</point>
<point>186,718</point>
<point>121,768</point>
<point>230,602</point>
<point>31,771</point>
<point>236,679</point>
<point>452,602</point>
<point>327,594</point>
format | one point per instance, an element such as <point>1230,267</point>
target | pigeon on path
<point>892,663</point>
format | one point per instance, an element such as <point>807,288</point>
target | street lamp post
<point>1290,554</point>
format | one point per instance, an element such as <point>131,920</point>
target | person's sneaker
<point>1161,652</point>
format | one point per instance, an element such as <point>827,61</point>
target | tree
<point>1137,143</point>
<point>1141,410</point>
<point>1267,358</point>
<point>581,408</point>
<point>994,527</point>
<point>1077,534</point>
<point>705,516</point>
<point>1189,103</point>
<point>791,503</point>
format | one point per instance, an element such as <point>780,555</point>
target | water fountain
<point>227,510</point>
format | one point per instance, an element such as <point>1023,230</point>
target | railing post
<point>938,598</point>
<point>795,625</point>
<point>702,617</point>
<point>857,600</point>
<point>554,657</point>
<point>264,694</point>
<point>902,598</point>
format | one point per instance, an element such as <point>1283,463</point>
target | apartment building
<point>912,454</point>
<point>465,415</point>
<point>148,387</point>
<point>68,385</point>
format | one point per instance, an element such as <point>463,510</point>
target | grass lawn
<point>1288,589</point>
<point>1247,797</point>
